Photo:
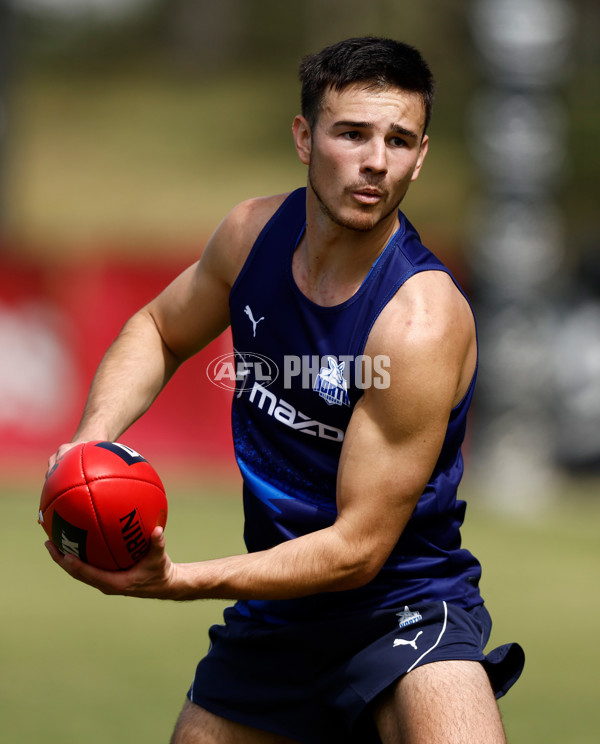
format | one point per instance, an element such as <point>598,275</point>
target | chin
<point>361,223</point>
<point>362,220</point>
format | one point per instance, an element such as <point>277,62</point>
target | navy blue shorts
<point>313,681</point>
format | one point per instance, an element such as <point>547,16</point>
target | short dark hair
<point>369,59</point>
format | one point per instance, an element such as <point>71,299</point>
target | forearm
<point>323,561</point>
<point>132,373</point>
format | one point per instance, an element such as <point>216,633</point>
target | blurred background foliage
<point>143,121</point>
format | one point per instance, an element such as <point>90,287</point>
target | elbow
<point>359,572</point>
<point>358,557</point>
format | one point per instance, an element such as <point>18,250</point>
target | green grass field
<point>81,667</point>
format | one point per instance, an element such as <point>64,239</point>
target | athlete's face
<point>363,152</point>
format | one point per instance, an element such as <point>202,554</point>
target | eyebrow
<point>368,125</point>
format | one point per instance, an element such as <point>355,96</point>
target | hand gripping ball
<point>101,502</point>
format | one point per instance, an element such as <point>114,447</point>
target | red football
<point>101,502</point>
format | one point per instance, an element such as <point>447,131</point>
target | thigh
<point>198,726</point>
<point>447,702</point>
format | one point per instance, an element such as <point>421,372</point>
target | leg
<point>197,726</point>
<point>445,702</point>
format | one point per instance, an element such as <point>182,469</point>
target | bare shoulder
<point>232,241</point>
<point>429,307</point>
<point>194,308</point>
<point>428,331</point>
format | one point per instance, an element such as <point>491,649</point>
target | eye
<point>398,142</point>
<point>352,135</point>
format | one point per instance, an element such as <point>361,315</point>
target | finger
<point>55,553</point>
<point>52,460</point>
<point>84,572</point>
<point>156,548</point>
<point>55,457</point>
<point>68,563</point>
<point>157,536</point>
<point>145,579</point>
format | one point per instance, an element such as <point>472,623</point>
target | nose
<point>375,160</point>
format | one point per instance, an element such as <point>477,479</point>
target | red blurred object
<point>56,321</point>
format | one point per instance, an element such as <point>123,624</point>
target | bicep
<point>396,434</point>
<point>384,468</point>
<point>192,310</point>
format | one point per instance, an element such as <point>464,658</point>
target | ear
<point>421,157</point>
<point>302,139</point>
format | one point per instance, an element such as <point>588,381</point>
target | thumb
<point>157,541</point>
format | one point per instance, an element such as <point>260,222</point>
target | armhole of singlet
<point>404,278</point>
<point>287,203</point>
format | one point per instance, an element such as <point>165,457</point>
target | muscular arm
<point>183,319</point>
<point>390,450</point>
<point>149,350</point>
<point>391,447</point>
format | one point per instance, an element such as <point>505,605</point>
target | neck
<point>332,261</point>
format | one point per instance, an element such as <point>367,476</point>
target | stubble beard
<point>355,225</point>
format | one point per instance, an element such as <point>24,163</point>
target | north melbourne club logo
<point>407,617</point>
<point>331,384</point>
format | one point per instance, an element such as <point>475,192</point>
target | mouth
<point>368,195</point>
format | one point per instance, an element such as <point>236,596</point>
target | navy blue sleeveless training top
<point>300,374</point>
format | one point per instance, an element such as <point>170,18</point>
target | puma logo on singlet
<point>403,642</point>
<point>248,312</point>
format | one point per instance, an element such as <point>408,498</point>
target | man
<point>359,617</point>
